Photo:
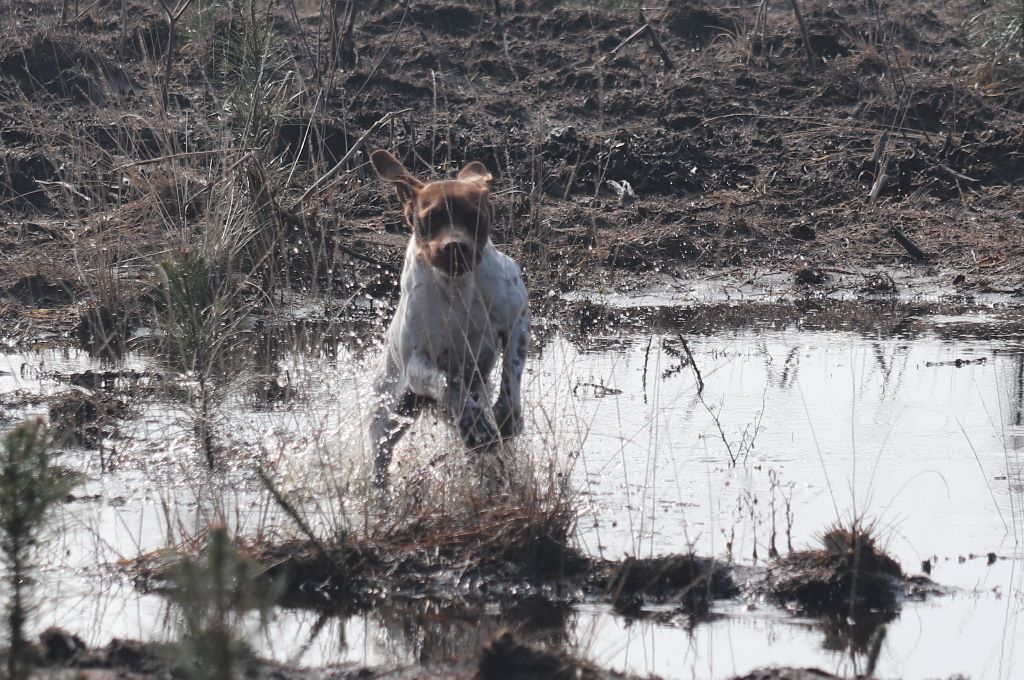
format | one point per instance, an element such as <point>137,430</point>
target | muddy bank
<point>468,568</point>
<point>738,155</point>
<point>502,658</point>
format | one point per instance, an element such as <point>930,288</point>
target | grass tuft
<point>212,592</point>
<point>998,30</point>
<point>848,573</point>
<point>29,488</point>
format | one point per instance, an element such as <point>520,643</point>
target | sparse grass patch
<point>999,31</point>
<point>848,573</point>
<point>255,74</point>
<point>199,321</point>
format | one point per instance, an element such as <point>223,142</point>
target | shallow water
<point>910,415</point>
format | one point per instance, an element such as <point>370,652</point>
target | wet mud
<point>694,154</point>
<point>738,155</point>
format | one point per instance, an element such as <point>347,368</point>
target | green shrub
<point>212,594</point>
<point>29,488</point>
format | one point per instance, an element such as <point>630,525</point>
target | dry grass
<point>849,573</point>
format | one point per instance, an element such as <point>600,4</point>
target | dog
<point>462,302</point>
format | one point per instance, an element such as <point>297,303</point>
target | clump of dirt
<point>65,69</point>
<point>687,581</point>
<point>464,567</point>
<point>698,22</point>
<point>505,658</point>
<point>86,419</point>
<point>848,573</point>
<point>23,177</point>
<point>40,291</point>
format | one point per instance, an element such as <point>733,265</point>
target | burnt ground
<point>740,154</point>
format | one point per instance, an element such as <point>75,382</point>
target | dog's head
<point>450,219</point>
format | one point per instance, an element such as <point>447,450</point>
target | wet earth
<point>778,358</point>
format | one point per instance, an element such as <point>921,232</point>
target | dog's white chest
<point>456,322</point>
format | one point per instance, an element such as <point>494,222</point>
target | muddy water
<point>909,415</point>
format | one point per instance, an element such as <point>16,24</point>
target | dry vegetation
<point>187,167</point>
<point>122,152</point>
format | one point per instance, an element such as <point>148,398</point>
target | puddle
<point>910,414</point>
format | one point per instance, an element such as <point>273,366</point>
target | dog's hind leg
<point>386,429</point>
<point>508,409</point>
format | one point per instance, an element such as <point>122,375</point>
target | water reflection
<point>827,408</point>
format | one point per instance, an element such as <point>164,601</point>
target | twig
<point>175,156</point>
<point>880,180</point>
<point>693,365</point>
<point>652,35</point>
<point>945,172</point>
<point>656,41</point>
<point>803,31</point>
<point>880,148</point>
<point>290,510</point>
<point>302,41</point>
<point>908,245</point>
<point>348,156</point>
<point>645,30</point>
<point>733,457</point>
<point>85,11</point>
<point>172,22</point>
<point>628,39</point>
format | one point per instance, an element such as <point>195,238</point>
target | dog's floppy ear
<point>390,169</point>
<point>476,172</point>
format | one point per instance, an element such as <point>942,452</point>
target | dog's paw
<point>509,419</point>
<point>477,429</point>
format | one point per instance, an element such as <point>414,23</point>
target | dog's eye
<point>474,221</point>
<point>432,221</point>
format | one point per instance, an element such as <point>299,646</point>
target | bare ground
<point>744,152</point>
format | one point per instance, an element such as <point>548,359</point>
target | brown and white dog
<point>462,303</point>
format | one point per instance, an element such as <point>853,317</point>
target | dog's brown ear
<point>476,172</point>
<point>390,169</point>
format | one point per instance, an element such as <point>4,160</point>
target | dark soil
<point>740,155</point>
<point>848,575</point>
<point>370,573</point>
<point>742,158</point>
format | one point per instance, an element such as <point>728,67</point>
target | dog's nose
<point>457,257</point>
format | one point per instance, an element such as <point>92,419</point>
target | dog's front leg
<point>476,427</point>
<point>508,409</point>
<point>387,426</point>
<point>424,378</point>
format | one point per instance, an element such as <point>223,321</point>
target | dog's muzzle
<point>455,258</point>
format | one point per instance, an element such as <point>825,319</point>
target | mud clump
<point>848,573</point>
<point>22,179</point>
<point>41,291</point>
<point>696,22</point>
<point>505,658</point>
<point>688,581</point>
<point>86,420</point>
<point>59,646</point>
<point>62,68</point>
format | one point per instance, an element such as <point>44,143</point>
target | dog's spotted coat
<point>462,303</point>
